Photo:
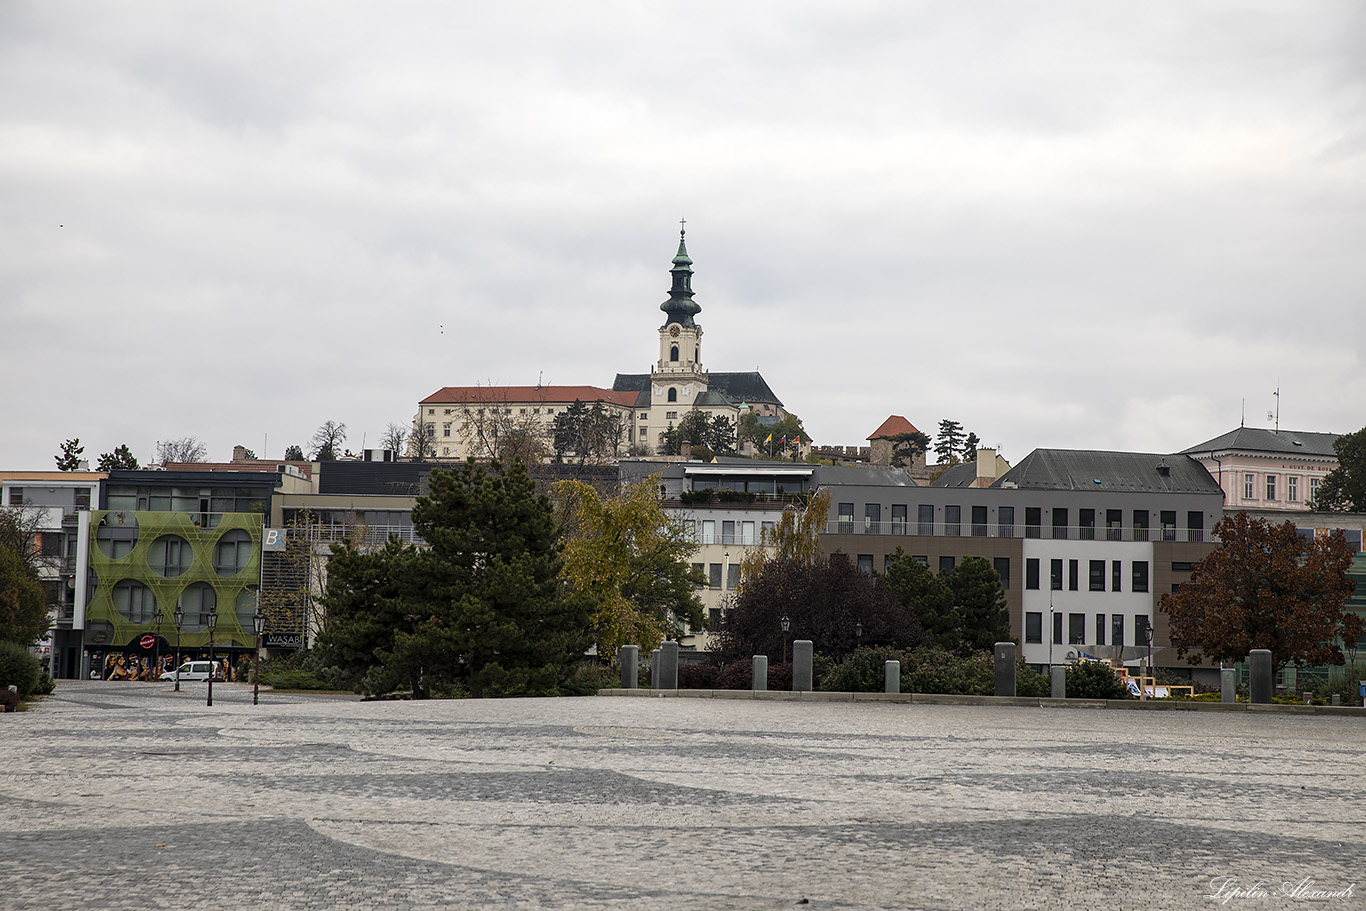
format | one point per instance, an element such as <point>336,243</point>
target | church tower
<point>678,376</point>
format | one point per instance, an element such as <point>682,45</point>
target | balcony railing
<point>1043,532</point>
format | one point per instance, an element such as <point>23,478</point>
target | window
<point>431,411</point>
<point>16,496</point>
<point>946,564</point>
<point>445,430</point>
<point>1114,524</point>
<point>1168,517</point>
<point>1140,524</point>
<point>714,615</point>
<point>846,518</point>
<point>1116,577</point>
<point>708,531</point>
<point>924,514</point>
<point>1055,575</point>
<point>699,569</point>
<point>747,533</point>
<point>872,519</point>
<point>1005,522</point>
<point>1032,573</point>
<point>1033,626</point>
<point>1292,488</point>
<point>170,556</point>
<point>921,559</point>
<point>1181,566</point>
<point>1002,565</point>
<point>1313,489</point>
<point>1076,629</point>
<point>1100,629</point>
<point>1271,487</point>
<point>728,532</point>
<point>766,528</point>
<point>732,576</point>
<point>673,353</point>
<point>1060,524</point>
<point>1140,573</point>
<point>1141,629</point>
<point>673,394</point>
<point>197,601</point>
<point>1073,575</point>
<point>689,528</point>
<point>865,563</point>
<point>1195,526</point>
<point>1249,486</point>
<point>670,415</point>
<point>1033,521</point>
<point>953,521</point>
<point>714,575</point>
<point>1057,629</point>
<point>1117,629</point>
<point>1086,522</point>
<point>1096,575</point>
<point>899,520</point>
<point>135,601</point>
<point>887,561</point>
<point>979,521</point>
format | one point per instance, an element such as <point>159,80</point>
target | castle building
<point>461,421</point>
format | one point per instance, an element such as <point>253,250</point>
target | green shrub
<point>587,679</point>
<point>45,685</point>
<point>18,668</point>
<point>1029,682</point>
<point>1094,680</point>
<point>294,680</point>
<point>934,670</point>
<point>862,671</point>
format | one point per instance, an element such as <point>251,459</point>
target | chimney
<point>986,468</point>
<point>239,453</point>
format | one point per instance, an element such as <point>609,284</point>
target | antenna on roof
<point>1278,406</point>
<point>1242,420</point>
<point>539,374</point>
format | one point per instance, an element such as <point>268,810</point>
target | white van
<point>196,670</point>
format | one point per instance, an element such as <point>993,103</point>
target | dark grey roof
<point>389,479</point>
<point>1082,469</point>
<point>1257,439</point>
<point>863,475</point>
<point>722,388</point>
<point>958,476</point>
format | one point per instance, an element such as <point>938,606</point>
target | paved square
<point>129,796</point>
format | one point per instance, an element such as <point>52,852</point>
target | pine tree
<point>981,604</point>
<point>926,595</point>
<point>120,458</point>
<point>949,443</point>
<point>69,459</point>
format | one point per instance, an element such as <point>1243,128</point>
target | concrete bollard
<point>1005,668</point>
<point>802,652</point>
<point>1262,680</point>
<point>891,677</point>
<point>759,676</point>
<point>668,666</point>
<point>1058,676</point>
<point>1337,699</point>
<point>628,656</point>
<point>654,669</point>
<point>1228,685</point>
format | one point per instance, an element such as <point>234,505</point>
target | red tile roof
<point>554,395</point>
<point>892,426</point>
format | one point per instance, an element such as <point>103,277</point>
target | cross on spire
<point>682,226</point>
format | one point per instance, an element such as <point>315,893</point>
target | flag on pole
<point>770,439</point>
<point>783,441</point>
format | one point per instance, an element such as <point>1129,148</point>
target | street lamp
<point>213,621</point>
<point>1148,635</point>
<point>858,632</point>
<point>258,620</point>
<point>179,619</point>
<point>787,624</point>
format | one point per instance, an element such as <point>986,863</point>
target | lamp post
<point>179,619</point>
<point>858,633</point>
<point>787,624</point>
<point>1148,635</point>
<point>258,620</point>
<point>213,621</point>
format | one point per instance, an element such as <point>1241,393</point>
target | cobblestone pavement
<point>130,796</point>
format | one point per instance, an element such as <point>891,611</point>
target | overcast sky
<point>1072,225</point>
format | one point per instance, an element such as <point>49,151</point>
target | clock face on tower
<point>674,330</point>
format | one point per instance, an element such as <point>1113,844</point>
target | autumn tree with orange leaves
<point>1266,587</point>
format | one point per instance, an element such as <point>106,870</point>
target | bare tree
<point>185,449</point>
<point>395,435</point>
<point>422,441</point>
<point>491,428</point>
<point>327,441</point>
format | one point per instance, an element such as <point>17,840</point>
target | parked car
<point>196,670</point>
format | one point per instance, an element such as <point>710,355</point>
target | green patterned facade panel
<point>235,592</point>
